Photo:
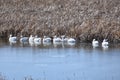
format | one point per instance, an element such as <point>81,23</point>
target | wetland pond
<point>59,61</point>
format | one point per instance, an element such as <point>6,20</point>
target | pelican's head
<point>31,35</point>
<point>55,36</point>
<point>36,36</point>
<point>10,35</point>
<point>63,36</point>
<point>44,36</point>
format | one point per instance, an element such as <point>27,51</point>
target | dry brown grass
<point>82,19</point>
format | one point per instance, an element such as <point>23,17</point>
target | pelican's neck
<point>21,36</point>
<point>93,40</point>
<point>104,40</point>
<point>55,36</point>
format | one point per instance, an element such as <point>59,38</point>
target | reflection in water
<point>105,47</point>
<point>62,61</point>
<point>24,44</point>
<point>95,46</point>
<point>71,44</point>
<point>57,44</point>
<point>47,43</point>
<point>31,43</point>
<point>13,42</point>
<point>37,43</point>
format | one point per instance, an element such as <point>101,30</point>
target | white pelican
<point>56,39</point>
<point>12,39</point>
<point>31,38</point>
<point>23,39</point>
<point>95,43</point>
<point>46,39</point>
<point>104,43</point>
<point>64,39</point>
<point>71,40</point>
<point>37,40</point>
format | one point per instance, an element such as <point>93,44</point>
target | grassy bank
<point>82,19</point>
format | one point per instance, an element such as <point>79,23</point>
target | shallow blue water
<point>59,62</point>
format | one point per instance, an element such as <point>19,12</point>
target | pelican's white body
<point>105,43</point>
<point>31,39</point>
<point>71,40</point>
<point>12,39</point>
<point>56,39</point>
<point>23,39</point>
<point>46,39</point>
<point>95,43</point>
<point>37,40</point>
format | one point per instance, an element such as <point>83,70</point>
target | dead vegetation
<point>82,19</point>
